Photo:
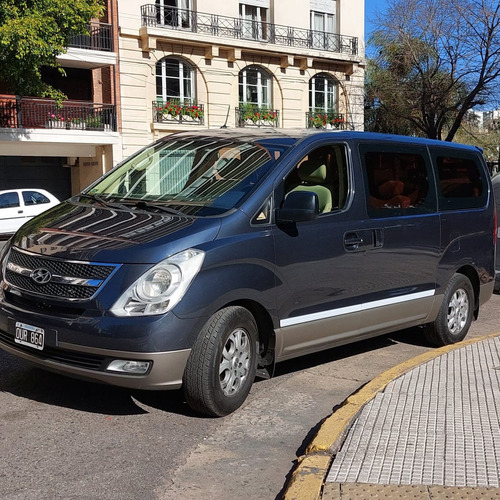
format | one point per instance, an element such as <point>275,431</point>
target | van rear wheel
<point>221,367</point>
<point>455,315</point>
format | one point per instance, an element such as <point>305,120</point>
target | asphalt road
<point>66,439</point>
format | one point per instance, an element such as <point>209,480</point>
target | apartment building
<point>150,69</point>
<point>62,148</point>
<point>194,64</point>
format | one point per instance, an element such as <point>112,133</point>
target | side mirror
<point>299,206</point>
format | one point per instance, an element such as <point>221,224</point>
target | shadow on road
<point>23,380</point>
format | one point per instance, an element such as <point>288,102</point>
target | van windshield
<point>191,176</point>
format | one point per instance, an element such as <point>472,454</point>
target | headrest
<point>310,171</point>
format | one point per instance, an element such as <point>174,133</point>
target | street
<point>68,439</point>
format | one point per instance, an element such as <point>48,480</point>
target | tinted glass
<point>397,182</point>
<point>461,182</point>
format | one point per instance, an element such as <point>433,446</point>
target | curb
<point>307,479</point>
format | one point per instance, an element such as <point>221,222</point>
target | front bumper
<point>89,363</point>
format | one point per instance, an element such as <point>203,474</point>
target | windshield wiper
<point>95,197</point>
<point>146,205</point>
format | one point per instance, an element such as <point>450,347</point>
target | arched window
<point>255,87</point>
<point>174,80</point>
<point>323,91</point>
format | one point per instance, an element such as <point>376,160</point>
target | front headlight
<point>160,288</point>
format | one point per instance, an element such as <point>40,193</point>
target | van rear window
<point>461,183</point>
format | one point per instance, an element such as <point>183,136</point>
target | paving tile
<point>437,424</point>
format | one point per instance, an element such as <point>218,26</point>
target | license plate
<point>29,335</point>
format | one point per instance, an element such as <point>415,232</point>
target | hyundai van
<point>206,258</point>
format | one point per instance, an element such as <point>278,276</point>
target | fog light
<point>127,366</point>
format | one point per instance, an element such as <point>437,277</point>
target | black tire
<point>221,367</point>
<point>455,315</point>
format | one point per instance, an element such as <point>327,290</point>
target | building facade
<point>256,63</point>
<point>62,148</point>
<point>151,69</point>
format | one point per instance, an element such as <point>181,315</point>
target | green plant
<point>93,121</point>
<point>174,108</point>
<point>319,119</point>
<point>252,112</point>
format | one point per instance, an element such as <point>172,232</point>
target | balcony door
<point>322,30</point>
<point>174,13</point>
<point>253,22</point>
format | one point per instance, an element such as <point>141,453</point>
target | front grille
<point>95,273</point>
<point>61,267</point>
<point>72,358</point>
<point>50,289</point>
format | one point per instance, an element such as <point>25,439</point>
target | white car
<point>19,205</point>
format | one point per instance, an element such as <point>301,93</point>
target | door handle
<point>19,211</point>
<point>352,241</point>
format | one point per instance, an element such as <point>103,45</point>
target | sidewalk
<point>426,429</point>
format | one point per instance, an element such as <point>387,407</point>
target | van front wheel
<point>221,367</point>
<point>455,316</point>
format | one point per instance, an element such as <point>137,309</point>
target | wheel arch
<point>267,336</point>
<point>471,273</point>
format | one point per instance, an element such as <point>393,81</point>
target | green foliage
<point>434,61</point>
<point>33,33</point>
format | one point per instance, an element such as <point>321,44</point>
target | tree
<point>33,33</point>
<point>435,60</point>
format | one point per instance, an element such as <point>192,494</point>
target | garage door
<point>32,172</point>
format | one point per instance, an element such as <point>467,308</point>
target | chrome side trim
<point>297,320</point>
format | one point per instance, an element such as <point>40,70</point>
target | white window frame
<point>253,21</point>
<point>182,15</point>
<point>322,29</point>
<point>260,86</point>
<point>330,90</point>
<point>184,68</point>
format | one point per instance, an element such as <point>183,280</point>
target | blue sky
<point>371,8</point>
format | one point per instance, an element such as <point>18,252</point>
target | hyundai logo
<point>41,275</point>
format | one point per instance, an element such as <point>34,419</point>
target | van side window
<point>324,172</point>
<point>395,181</point>
<point>461,183</point>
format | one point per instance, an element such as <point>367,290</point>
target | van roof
<point>248,134</point>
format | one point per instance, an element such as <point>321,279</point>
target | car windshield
<point>194,176</point>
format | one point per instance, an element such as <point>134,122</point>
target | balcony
<point>91,51</point>
<point>325,120</point>
<point>100,37</point>
<point>253,116</point>
<point>174,112</point>
<point>21,112</point>
<point>228,27</point>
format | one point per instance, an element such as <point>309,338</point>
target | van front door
<point>364,266</point>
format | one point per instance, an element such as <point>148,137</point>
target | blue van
<point>205,258</point>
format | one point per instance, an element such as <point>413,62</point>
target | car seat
<point>312,178</point>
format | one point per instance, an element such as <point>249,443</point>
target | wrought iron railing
<point>253,116</point>
<point>175,112</point>
<point>230,27</point>
<point>100,37</point>
<point>23,112</point>
<point>325,119</point>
